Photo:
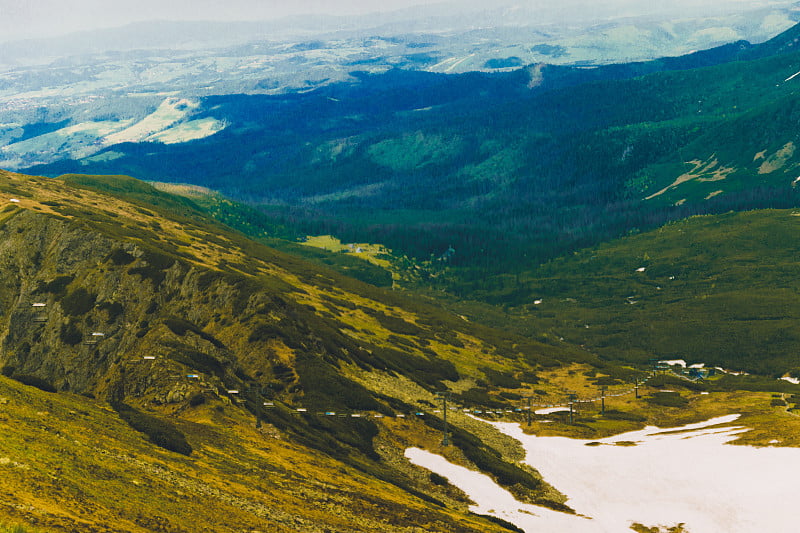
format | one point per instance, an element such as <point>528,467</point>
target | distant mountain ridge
<point>542,21</point>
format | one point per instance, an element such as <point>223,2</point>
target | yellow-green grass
<point>768,424</point>
<point>719,290</point>
<point>374,253</point>
<point>69,463</point>
<point>16,528</point>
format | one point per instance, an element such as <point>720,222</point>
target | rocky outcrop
<point>90,314</point>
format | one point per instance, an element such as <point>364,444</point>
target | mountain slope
<point>69,463</point>
<point>719,290</point>
<point>125,304</point>
<point>162,372</point>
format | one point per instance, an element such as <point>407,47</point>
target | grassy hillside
<point>754,151</point>
<point>729,302</point>
<point>161,371</point>
<point>70,464</point>
<point>267,230</point>
<point>715,289</point>
<point>98,272</point>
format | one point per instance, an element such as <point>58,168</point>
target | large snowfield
<point>686,475</point>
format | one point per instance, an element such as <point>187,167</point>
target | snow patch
<point>673,475</point>
<point>672,362</point>
<point>551,410</point>
<point>793,76</point>
<point>491,499</point>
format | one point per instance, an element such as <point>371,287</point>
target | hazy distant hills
<point>119,76</point>
<point>301,53</point>
<point>545,32</point>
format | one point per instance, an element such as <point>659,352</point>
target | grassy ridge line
<point>268,231</point>
<point>389,318</point>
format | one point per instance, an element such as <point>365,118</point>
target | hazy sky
<point>50,17</point>
<point>44,18</point>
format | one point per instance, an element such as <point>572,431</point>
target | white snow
<point>551,410</point>
<point>790,379</point>
<point>680,475</point>
<point>672,362</point>
<point>793,76</point>
<point>494,500</point>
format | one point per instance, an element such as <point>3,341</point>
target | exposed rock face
<point>83,311</point>
<point>80,309</point>
<point>40,259</point>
